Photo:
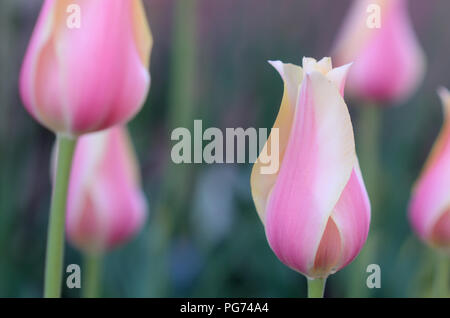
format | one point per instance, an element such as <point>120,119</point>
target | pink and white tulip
<point>316,210</point>
<point>388,61</point>
<point>429,210</point>
<point>106,205</point>
<point>79,80</point>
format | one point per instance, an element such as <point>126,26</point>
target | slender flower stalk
<point>441,276</point>
<point>369,145</point>
<point>316,287</point>
<point>55,239</point>
<point>176,189</point>
<point>92,271</point>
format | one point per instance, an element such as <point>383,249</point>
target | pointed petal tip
<point>277,64</point>
<point>348,65</point>
<point>308,59</point>
<point>325,59</point>
<point>344,69</point>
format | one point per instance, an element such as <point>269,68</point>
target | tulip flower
<point>85,70</point>
<point>106,205</point>
<point>388,61</point>
<point>82,78</point>
<point>315,209</point>
<point>429,210</point>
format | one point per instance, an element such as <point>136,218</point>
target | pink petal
<point>440,235</point>
<point>78,80</point>
<point>38,54</point>
<point>105,81</point>
<point>339,75</point>
<point>329,251</point>
<point>352,217</point>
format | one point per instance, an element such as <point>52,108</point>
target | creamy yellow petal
<point>261,184</point>
<point>142,32</point>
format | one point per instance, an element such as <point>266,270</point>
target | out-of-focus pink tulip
<point>79,80</point>
<point>388,61</point>
<point>429,209</point>
<point>316,210</point>
<point>106,205</point>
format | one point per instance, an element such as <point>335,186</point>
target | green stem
<point>93,272</point>
<point>316,287</point>
<point>55,235</point>
<point>442,275</point>
<point>368,149</point>
<point>175,190</point>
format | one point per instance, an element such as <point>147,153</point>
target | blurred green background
<point>203,237</point>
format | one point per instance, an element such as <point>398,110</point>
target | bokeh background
<point>203,237</point>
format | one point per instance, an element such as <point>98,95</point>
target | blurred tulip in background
<point>429,209</point>
<point>388,60</point>
<point>88,77</point>
<point>106,205</point>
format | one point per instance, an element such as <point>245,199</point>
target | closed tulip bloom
<point>429,209</point>
<point>106,205</point>
<point>88,77</point>
<point>388,60</point>
<point>315,209</point>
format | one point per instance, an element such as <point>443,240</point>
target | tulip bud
<point>85,77</point>
<point>388,61</point>
<point>316,210</point>
<point>429,209</point>
<point>105,204</point>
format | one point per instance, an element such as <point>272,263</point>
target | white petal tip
<point>348,65</point>
<point>275,63</point>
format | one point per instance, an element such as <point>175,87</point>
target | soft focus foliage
<point>227,82</point>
